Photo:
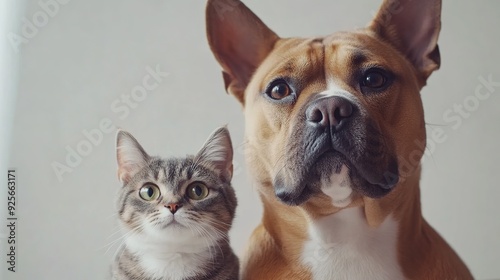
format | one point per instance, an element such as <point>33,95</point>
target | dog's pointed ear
<point>239,40</point>
<point>412,26</point>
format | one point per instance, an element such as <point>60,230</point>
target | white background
<point>91,52</point>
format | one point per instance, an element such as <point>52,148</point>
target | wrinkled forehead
<point>325,59</point>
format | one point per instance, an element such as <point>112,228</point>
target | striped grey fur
<point>196,245</point>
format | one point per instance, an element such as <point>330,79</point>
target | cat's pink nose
<point>173,207</point>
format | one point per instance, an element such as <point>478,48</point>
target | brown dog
<point>334,131</point>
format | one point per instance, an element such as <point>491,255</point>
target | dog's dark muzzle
<point>332,133</point>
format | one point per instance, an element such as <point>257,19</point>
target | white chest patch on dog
<point>343,246</point>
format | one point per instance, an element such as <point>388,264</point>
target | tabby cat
<point>176,212</point>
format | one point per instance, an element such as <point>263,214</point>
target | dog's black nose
<point>329,111</point>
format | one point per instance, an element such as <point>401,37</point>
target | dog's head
<point>342,110</point>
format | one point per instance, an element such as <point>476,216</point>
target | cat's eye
<point>197,191</point>
<point>149,192</point>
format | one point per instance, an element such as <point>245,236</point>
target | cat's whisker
<point>207,244</point>
<point>210,241</point>
<point>119,250</point>
<point>222,236</point>
<point>120,230</point>
<point>216,222</point>
<point>110,244</point>
<point>114,233</point>
<point>212,238</point>
<point>122,238</point>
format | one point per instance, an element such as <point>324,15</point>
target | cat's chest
<point>343,246</point>
<point>175,265</point>
<point>159,260</point>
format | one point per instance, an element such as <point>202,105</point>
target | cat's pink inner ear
<point>130,155</point>
<point>218,152</point>
<point>123,176</point>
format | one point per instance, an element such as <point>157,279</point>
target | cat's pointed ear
<point>130,155</point>
<point>413,28</point>
<point>218,153</point>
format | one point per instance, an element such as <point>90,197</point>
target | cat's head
<point>177,197</point>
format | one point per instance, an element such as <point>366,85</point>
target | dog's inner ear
<point>413,28</point>
<point>239,40</point>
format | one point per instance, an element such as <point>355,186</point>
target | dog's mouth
<point>307,179</point>
<point>371,169</point>
<point>330,164</point>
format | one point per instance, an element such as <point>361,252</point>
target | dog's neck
<point>301,232</point>
<point>395,222</point>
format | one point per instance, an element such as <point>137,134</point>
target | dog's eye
<point>375,79</point>
<point>279,90</point>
